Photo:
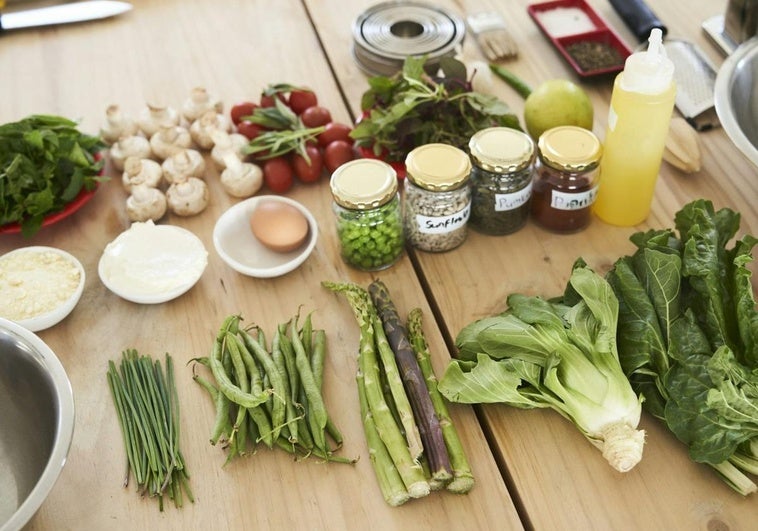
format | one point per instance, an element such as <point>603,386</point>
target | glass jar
<point>501,179</point>
<point>566,178</point>
<point>437,201</point>
<point>367,210</point>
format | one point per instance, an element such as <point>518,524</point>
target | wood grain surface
<point>533,469</point>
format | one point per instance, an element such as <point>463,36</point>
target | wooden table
<point>533,469</point>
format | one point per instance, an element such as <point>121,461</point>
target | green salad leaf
<point>415,107</point>
<point>44,163</point>
<point>688,336</point>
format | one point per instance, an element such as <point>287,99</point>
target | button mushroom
<point>187,198</point>
<point>117,125</point>
<point>202,128</point>
<point>241,179</point>
<point>170,140</point>
<point>141,171</point>
<point>182,165</point>
<point>152,117</point>
<point>129,146</point>
<point>145,203</point>
<point>224,143</point>
<point>199,102</point>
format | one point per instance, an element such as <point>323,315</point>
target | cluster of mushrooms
<point>159,155</point>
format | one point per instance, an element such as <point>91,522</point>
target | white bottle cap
<point>651,71</point>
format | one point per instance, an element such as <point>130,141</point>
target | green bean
<point>291,415</point>
<point>289,360</point>
<point>225,384</point>
<point>278,409</point>
<point>318,355</point>
<point>316,412</point>
<point>222,403</point>
<point>306,336</point>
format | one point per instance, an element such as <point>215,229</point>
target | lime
<point>557,102</point>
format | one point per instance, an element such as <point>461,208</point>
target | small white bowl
<point>43,283</point>
<point>241,250</point>
<point>151,264</point>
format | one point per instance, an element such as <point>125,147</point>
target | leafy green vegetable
<point>413,108</point>
<point>559,354</point>
<point>688,336</point>
<point>44,164</point>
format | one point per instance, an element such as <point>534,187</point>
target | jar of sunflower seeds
<point>437,197</point>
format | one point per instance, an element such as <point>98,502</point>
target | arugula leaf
<point>416,107</point>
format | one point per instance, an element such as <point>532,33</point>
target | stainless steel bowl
<point>736,98</point>
<point>36,423</point>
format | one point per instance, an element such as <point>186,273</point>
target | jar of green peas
<point>367,210</point>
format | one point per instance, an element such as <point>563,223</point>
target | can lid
<point>363,184</point>
<point>501,149</point>
<point>569,148</point>
<point>438,167</point>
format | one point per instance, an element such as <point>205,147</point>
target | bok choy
<point>559,354</point>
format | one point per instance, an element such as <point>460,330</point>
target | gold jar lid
<point>438,167</point>
<point>363,184</point>
<point>501,149</point>
<point>569,148</point>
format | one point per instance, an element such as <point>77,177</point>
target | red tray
<point>583,30</point>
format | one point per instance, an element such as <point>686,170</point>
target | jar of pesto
<point>367,210</point>
<point>437,202</point>
<point>501,179</point>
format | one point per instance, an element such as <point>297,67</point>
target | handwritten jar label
<point>443,224</point>
<point>574,201</point>
<point>514,200</point>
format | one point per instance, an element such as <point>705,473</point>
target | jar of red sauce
<point>566,178</point>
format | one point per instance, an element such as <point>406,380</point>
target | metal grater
<point>695,79</point>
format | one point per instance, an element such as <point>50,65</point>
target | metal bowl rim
<point>64,431</point>
<point>722,90</point>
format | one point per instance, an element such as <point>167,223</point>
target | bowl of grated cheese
<point>40,286</point>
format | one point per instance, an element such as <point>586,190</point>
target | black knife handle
<point>638,17</point>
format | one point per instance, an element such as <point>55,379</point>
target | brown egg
<point>279,226</point>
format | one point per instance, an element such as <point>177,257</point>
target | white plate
<point>50,318</point>
<point>151,264</point>
<point>235,243</point>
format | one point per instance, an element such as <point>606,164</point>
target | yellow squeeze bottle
<point>638,121</point>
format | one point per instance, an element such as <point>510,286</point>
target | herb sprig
<point>414,107</point>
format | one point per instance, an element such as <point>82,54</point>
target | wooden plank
<point>157,53</point>
<point>562,481</point>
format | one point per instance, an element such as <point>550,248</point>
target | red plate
<point>78,202</point>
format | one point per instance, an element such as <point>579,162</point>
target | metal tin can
<point>367,210</point>
<point>501,179</point>
<point>565,184</point>
<point>437,201</point>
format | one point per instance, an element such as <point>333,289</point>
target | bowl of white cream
<point>40,286</point>
<point>151,264</point>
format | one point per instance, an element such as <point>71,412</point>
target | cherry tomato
<point>308,173</point>
<point>337,153</point>
<point>268,101</point>
<point>335,131</point>
<point>240,110</point>
<point>249,129</point>
<point>277,174</point>
<point>316,116</point>
<point>301,100</point>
